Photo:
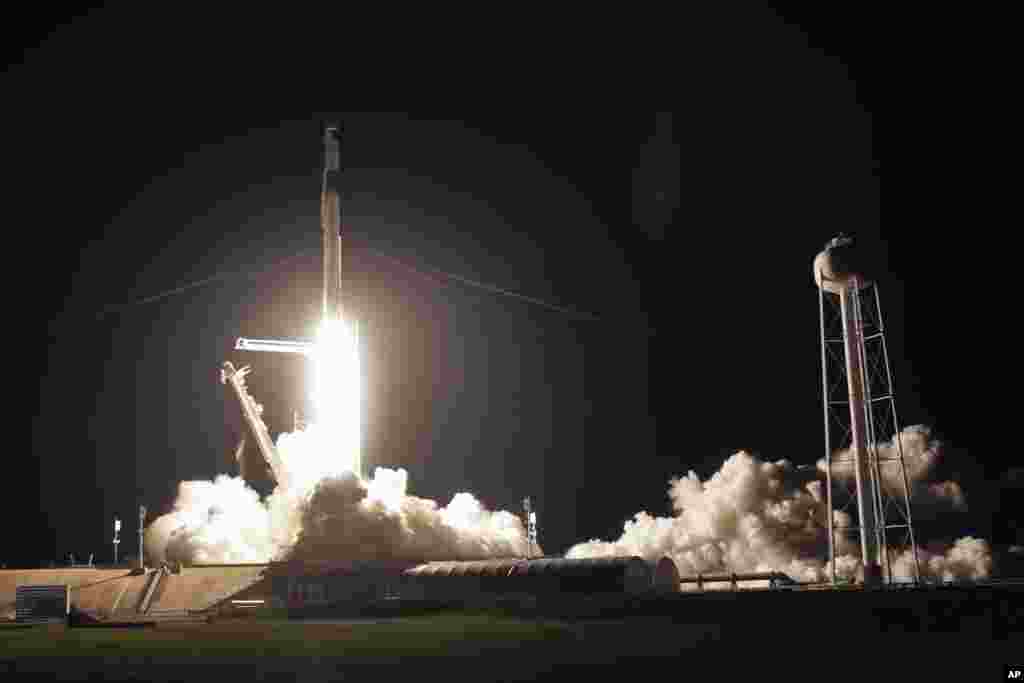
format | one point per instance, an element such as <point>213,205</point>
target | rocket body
<point>330,223</point>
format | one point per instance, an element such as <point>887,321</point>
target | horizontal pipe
<point>729,578</point>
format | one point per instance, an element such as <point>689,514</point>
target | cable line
<point>427,272</point>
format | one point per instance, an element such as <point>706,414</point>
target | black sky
<point>135,168</point>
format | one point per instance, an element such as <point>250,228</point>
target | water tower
<point>860,416</point>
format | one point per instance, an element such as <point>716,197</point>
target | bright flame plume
<point>336,395</point>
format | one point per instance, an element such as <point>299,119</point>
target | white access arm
<point>276,345</point>
<point>252,411</point>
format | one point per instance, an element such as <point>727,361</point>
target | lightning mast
<point>860,414</point>
<point>142,527</point>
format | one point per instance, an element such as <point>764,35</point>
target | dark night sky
<point>135,169</point>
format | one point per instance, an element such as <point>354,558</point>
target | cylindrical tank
<point>839,266</point>
<point>546,575</point>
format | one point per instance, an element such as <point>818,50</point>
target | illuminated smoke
<point>347,518</point>
<point>922,455</point>
<point>755,516</point>
<point>223,521</point>
<point>326,514</point>
<point>322,508</point>
<point>745,518</point>
<point>968,558</point>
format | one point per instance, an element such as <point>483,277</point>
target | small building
<point>666,576</point>
<point>306,584</point>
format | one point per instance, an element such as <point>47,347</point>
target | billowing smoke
<point>922,454</point>
<point>755,516</point>
<point>967,558</point>
<point>347,518</point>
<point>750,516</point>
<point>319,512</point>
<point>223,521</point>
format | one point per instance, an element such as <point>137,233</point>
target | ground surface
<point>115,593</point>
<point>483,647</point>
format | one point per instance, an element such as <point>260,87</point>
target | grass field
<point>455,646</point>
<point>442,635</point>
<point>489,647</point>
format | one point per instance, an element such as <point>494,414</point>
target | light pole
<point>142,521</point>
<point>531,527</point>
<point>117,530</point>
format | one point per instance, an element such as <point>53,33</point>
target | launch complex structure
<point>332,310</point>
<point>858,403</point>
<point>331,304</point>
<point>867,487</point>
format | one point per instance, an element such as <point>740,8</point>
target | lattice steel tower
<point>860,417</point>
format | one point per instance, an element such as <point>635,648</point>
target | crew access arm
<point>251,411</point>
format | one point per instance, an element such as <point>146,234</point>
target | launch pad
<point>554,588</point>
<point>560,585</point>
<point>118,595</point>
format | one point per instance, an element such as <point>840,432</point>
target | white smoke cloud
<point>745,518</point>
<point>219,521</point>
<point>921,453</point>
<point>968,558</point>
<point>755,516</point>
<point>750,516</point>
<point>319,512</point>
<point>348,518</point>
